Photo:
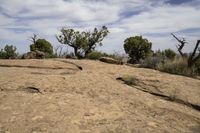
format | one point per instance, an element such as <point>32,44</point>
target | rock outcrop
<point>110,60</point>
<point>34,55</point>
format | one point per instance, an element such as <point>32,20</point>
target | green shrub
<point>177,66</point>
<point>167,53</point>
<point>70,55</point>
<point>9,52</point>
<point>95,55</point>
<point>170,54</point>
<point>2,54</point>
<point>44,46</point>
<point>130,80</point>
<point>159,53</point>
<point>137,48</point>
<point>119,57</point>
<point>152,62</point>
<point>158,58</point>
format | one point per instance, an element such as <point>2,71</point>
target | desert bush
<point>9,52</point>
<point>157,58</point>
<point>137,48</point>
<point>158,53</point>
<point>178,66</point>
<point>44,46</point>
<point>2,54</point>
<point>167,53</point>
<point>119,57</point>
<point>95,55</point>
<point>170,54</point>
<point>197,67</point>
<point>152,62</point>
<point>130,80</point>
<point>70,55</point>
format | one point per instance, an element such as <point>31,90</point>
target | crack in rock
<point>136,85</point>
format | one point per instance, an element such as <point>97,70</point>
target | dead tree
<point>182,44</point>
<point>33,38</point>
<point>194,56</point>
<point>192,59</point>
<point>58,50</point>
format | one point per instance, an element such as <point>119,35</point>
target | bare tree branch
<point>33,39</point>
<point>192,58</point>
<point>179,47</point>
<point>195,49</point>
<point>58,50</point>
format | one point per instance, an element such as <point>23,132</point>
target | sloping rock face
<point>55,96</point>
<point>110,60</point>
<point>34,55</point>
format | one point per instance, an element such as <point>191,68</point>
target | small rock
<point>34,55</point>
<point>110,60</point>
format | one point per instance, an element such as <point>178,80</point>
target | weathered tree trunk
<point>76,51</point>
<point>87,52</point>
<point>192,59</point>
<point>180,47</point>
<point>190,63</point>
<point>33,39</point>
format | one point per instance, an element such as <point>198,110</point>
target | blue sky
<point>154,19</point>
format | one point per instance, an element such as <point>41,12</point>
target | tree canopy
<point>9,52</point>
<point>83,42</point>
<point>95,38</point>
<point>137,48</point>
<point>42,45</point>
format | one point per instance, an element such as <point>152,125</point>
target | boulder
<point>40,54</point>
<point>34,55</point>
<point>110,60</point>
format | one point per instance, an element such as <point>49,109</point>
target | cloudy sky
<point>153,19</point>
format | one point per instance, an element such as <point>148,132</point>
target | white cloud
<point>45,17</point>
<point>163,19</point>
<point>5,21</point>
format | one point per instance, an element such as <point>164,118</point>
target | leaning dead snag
<point>33,38</point>
<point>192,57</point>
<point>58,50</point>
<point>182,44</point>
